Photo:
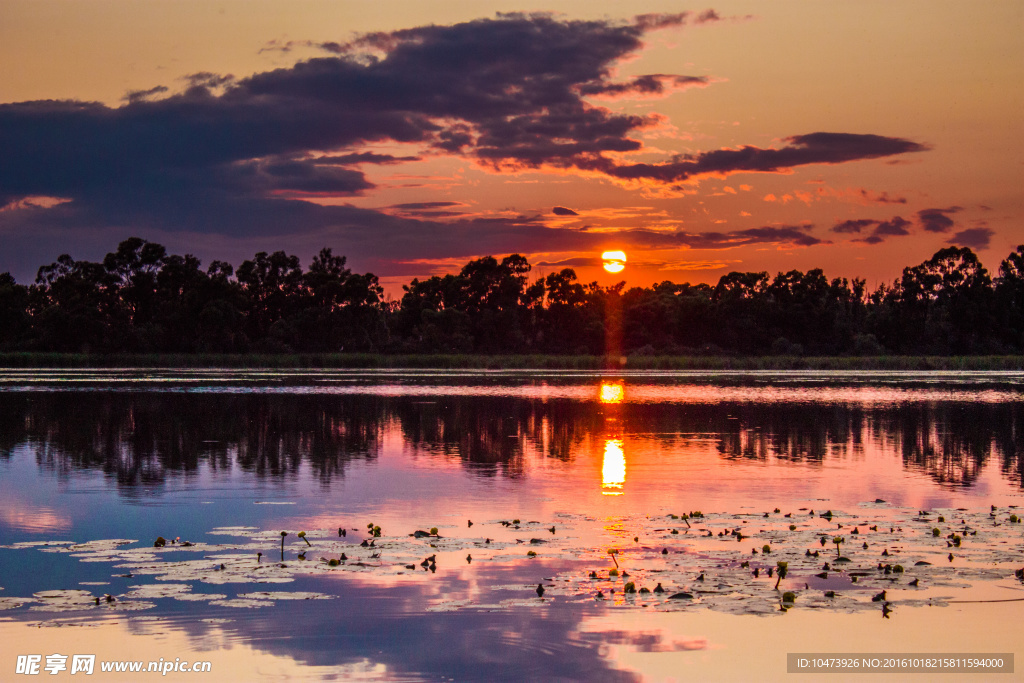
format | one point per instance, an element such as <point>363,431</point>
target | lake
<point>494,525</point>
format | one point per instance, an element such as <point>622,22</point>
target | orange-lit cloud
<point>36,202</point>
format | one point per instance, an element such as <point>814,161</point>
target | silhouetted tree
<point>274,286</point>
<point>1009,296</point>
<point>141,299</point>
<point>941,306</point>
<point>14,320</point>
<point>74,307</point>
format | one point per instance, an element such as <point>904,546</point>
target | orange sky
<point>942,77</point>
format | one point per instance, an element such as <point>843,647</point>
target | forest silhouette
<point>141,299</point>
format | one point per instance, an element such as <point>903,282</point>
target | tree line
<point>141,299</point>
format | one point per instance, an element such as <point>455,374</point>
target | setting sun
<point>614,261</point>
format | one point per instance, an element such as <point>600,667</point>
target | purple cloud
<point>815,148</point>
<point>655,21</point>
<point>649,85</point>
<point>894,227</point>
<point>975,238</point>
<point>364,158</point>
<point>937,220</point>
<point>854,226</point>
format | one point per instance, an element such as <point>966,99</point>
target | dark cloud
<point>364,158</point>
<point>562,211</point>
<point>428,209</point>
<point>432,213</point>
<point>792,235</point>
<point>302,176</point>
<point>854,226</point>
<point>236,157</point>
<point>373,240</point>
<point>894,227</point>
<point>975,238</point>
<point>883,198</point>
<point>506,90</point>
<point>930,220</point>
<point>424,205</point>
<point>937,220</point>
<point>649,85</point>
<point>655,21</point>
<point>815,148</point>
<point>139,95</point>
<point>208,80</point>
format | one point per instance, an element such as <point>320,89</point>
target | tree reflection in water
<point>143,438</point>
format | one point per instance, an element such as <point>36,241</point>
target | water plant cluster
<point>878,557</point>
<point>141,299</point>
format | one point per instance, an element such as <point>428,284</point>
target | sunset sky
<point>413,136</point>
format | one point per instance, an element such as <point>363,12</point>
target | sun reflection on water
<point>612,393</point>
<point>613,469</point>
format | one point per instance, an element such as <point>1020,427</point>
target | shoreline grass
<point>28,360</point>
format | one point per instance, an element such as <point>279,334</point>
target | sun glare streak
<point>612,393</point>
<point>613,469</point>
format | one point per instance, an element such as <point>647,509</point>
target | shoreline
<point>29,360</point>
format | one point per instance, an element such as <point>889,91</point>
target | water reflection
<point>369,631</point>
<point>32,518</point>
<point>613,468</point>
<point>612,393</point>
<point>141,439</point>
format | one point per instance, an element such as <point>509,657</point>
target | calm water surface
<point>132,455</point>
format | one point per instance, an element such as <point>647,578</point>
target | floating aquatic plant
<point>783,569</point>
<point>728,588</point>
